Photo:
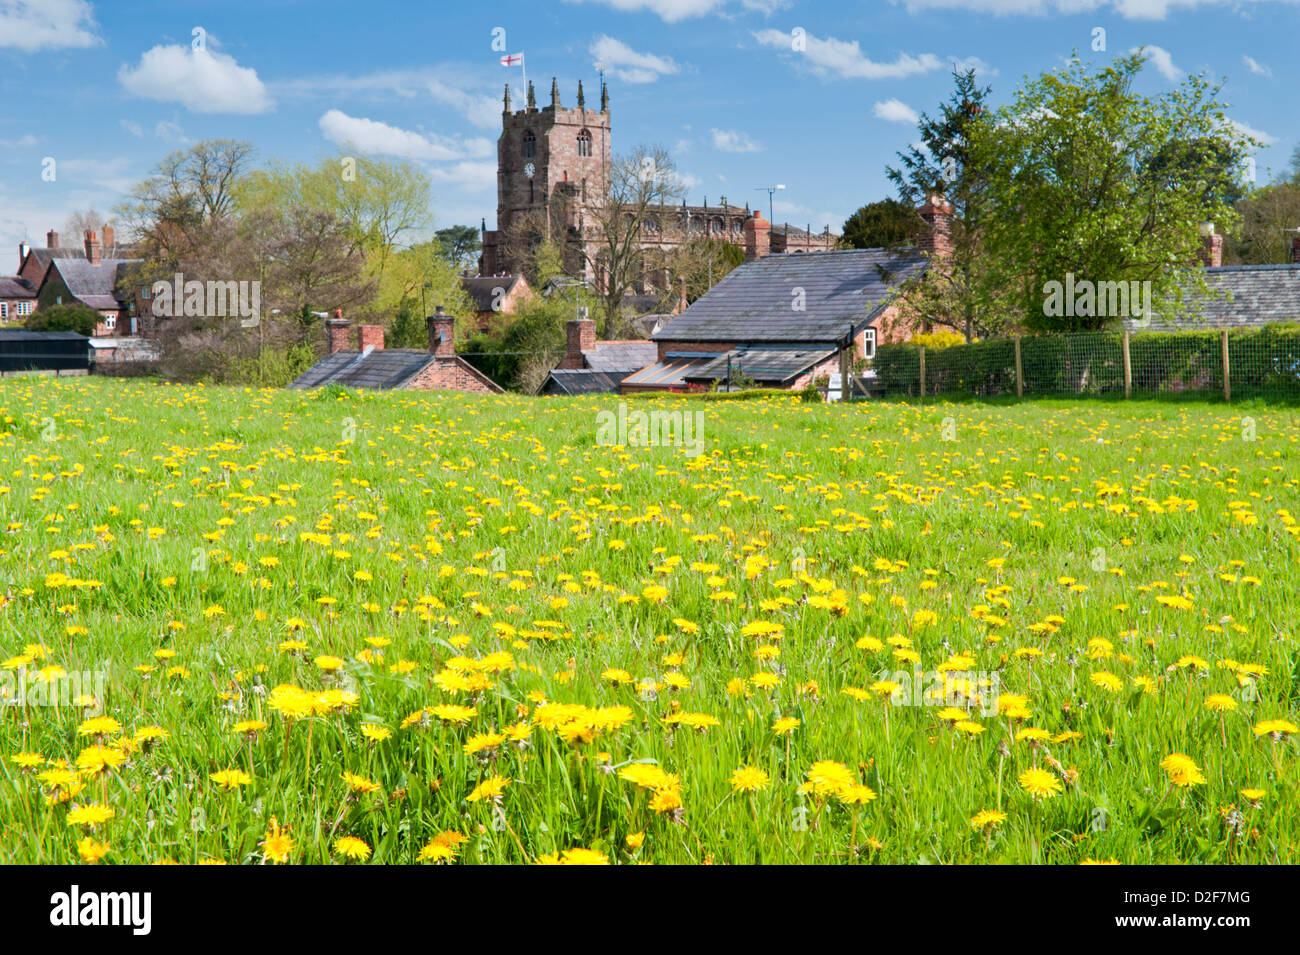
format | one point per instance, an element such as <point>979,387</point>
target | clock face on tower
<point>529,169</point>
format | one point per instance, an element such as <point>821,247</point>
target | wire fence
<point>1227,362</point>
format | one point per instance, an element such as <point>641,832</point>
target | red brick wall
<point>452,374</point>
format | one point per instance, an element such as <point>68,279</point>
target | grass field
<point>404,627</point>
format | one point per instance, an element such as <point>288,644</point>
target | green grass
<point>217,524</point>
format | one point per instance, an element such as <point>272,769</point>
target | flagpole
<point>523,65</point>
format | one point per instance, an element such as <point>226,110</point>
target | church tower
<point>551,163</point>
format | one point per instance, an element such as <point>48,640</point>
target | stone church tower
<point>551,163</point>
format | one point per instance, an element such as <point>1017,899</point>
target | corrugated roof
<point>754,302</point>
<point>1255,295</point>
<point>664,374</point>
<point>761,364</point>
<point>621,357</point>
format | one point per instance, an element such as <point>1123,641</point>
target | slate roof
<point>480,289</point>
<point>22,335</point>
<point>95,285</point>
<point>621,357</point>
<point>1256,295</point>
<point>382,368</point>
<point>379,368</point>
<point>753,302</point>
<point>580,381</point>
<point>771,365</point>
<point>13,287</point>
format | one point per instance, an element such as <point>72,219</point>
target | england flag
<point>516,59</point>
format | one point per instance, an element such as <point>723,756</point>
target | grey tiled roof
<point>580,381</point>
<point>753,302</point>
<point>13,287</point>
<point>761,364</point>
<point>621,358</point>
<point>1256,295</point>
<point>481,290</point>
<point>381,368</point>
<point>98,282</point>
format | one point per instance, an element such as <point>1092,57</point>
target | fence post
<point>1128,368</point>
<point>1227,384</point>
<point>1020,372</point>
<point>922,371</point>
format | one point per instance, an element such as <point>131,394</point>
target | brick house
<point>17,299</point>
<point>495,295</point>
<point>372,365</point>
<point>785,320</point>
<point>590,366</point>
<point>94,275</point>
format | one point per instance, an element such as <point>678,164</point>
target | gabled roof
<point>1242,296</point>
<point>95,285</point>
<point>621,357</point>
<point>379,368</point>
<point>482,289</point>
<point>754,302</point>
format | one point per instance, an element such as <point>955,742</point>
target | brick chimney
<point>92,247</point>
<point>936,237</point>
<point>371,336</point>
<point>23,249</point>
<point>1211,253</point>
<point>579,336</point>
<point>51,239</point>
<point>336,332</point>
<point>442,334</point>
<point>682,304</point>
<point>110,239</point>
<point>1295,247</point>
<point>758,236</point>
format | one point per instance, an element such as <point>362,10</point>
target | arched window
<point>717,226</point>
<point>584,143</point>
<point>530,144</point>
<point>652,225</point>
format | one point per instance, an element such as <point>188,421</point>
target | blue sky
<point>106,89</point>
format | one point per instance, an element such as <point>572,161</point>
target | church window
<point>584,143</point>
<point>530,144</point>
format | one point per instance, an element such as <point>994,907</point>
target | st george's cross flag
<point>516,59</point>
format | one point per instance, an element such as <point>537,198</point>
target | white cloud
<point>1256,67</point>
<point>766,7</point>
<point>844,58</point>
<point>170,132</point>
<point>1247,130</point>
<point>30,25</point>
<point>23,141</point>
<point>133,128</point>
<point>670,11</point>
<point>1129,9</point>
<point>734,141</point>
<point>372,136</point>
<point>895,111</point>
<point>688,182</point>
<point>202,81</point>
<point>1163,62</point>
<point>482,111</point>
<point>467,176</point>
<point>629,65</point>
<point>962,64</point>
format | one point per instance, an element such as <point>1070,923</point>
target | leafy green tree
<point>64,318</point>
<point>460,244</point>
<point>879,225</point>
<point>1074,173</point>
<point>1269,217</point>
<point>943,164</point>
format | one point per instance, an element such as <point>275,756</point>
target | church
<point>553,164</point>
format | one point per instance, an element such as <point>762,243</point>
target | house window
<point>530,144</point>
<point>146,293</point>
<point>4,309</point>
<point>584,143</point>
<point>110,322</point>
<point>869,343</point>
<point>24,309</point>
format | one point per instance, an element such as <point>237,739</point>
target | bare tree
<point>640,183</point>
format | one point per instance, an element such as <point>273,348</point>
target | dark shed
<point>22,350</point>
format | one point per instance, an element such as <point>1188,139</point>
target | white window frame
<point>110,321</point>
<point>24,309</point>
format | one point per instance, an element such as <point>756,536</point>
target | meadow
<point>246,626</point>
